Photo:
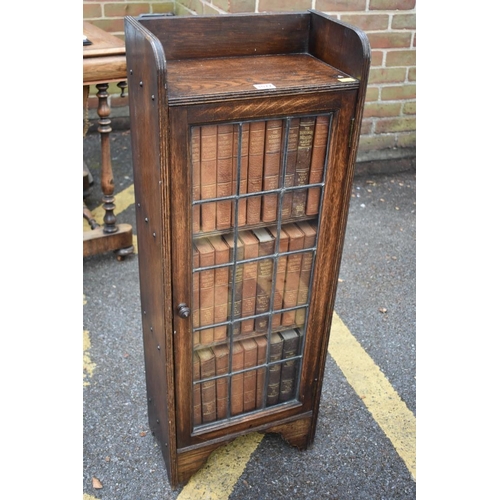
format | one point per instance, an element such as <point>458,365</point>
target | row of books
<point>215,151</point>
<point>253,281</point>
<point>217,398</point>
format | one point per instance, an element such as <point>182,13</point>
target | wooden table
<point>104,62</point>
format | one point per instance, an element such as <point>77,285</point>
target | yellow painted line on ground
<point>383,402</point>
<point>216,480</point>
<point>123,200</point>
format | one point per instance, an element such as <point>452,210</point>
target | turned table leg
<point>111,236</point>
<point>107,181</point>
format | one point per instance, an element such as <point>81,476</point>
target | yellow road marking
<point>383,402</point>
<point>123,200</point>
<point>221,472</point>
<point>216,480</point>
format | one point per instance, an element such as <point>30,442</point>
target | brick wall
<point>389,120</point>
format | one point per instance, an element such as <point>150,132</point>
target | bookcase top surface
<point>192,81</point>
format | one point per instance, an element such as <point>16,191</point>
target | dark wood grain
<point>183,73</point>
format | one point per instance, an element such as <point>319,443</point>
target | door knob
<point>183,310</point>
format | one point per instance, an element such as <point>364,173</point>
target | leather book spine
<point>224,175</point>
<point>221,353</point>
<point>272,163</point>
<point>291,162</point>
<point>289,368</point>
<point>237,380</point>
<point>250,246</point>
<point>207,290</point>
<point>318,156</point>
<point>207,370</point>
<point>195,161</point>
<point>275,354</point>
<point>249,377</point>
<point>264,278</point>
<point>208,175</point>
<point>261,372</point>
<point>197,417</point>
<point>196,296</point>
<point>306,132</point>
<point>305,271</point>
<point>279,285</point>
<point>221,286</point>
<point>256,141</point>
<point>236,286</point>
<point>242,202</point>
<point>292,278</point>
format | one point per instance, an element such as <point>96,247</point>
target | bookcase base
<point>296,433</point>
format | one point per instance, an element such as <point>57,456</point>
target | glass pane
<point>254,250</point>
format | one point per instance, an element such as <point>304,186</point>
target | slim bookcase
<point>244,136</point>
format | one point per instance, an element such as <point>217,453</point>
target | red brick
<point>125,9</point>
<point>390,40</point>
<point>283,5</point>
<point>387,75</point>
<point>340,5</point>
<point>367,22</point>
<point>412,75</point>
<point>241,6</point>
<point>407,140</point>
<point>401,58</point>
<point>381,110</point>
<point>91,10</point>
<point>399,92</point>
<point>110,25</point>
<point>162,8</point>
<point>400,124</point>
<point>192,5</point>
<point>404,21</point>
<point>392,4</point>
<point>374,142</point>
<point>410,108</point>
<point>366,126</point>
<point>377,58</point>
<point>372,94</point>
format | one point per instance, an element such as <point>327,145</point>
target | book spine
<point>255,169</point>
<point>242,203</point>
<point>195,160</point>
<point>249,288</point>
<point>261,372</point>
<point>224,175</point>
<point>221,353</point>
<point>196,296</point>
<point>279,285</point>
<point>275,353</point>
<point>291,162</point>
<point>305,271</point>
<point>306,131</point>
<point>272,163</point>
<point>317,163</point>
<point>264,285</point>
<point>208,175</point>
<point>249,377</point>
<point>292,278</point>
<point>289,368</point>
<point>207,290</point>
<point>197,415</point>
<point>208,395</point>
<point>221,287</point>
<point>236,283</point>
<point>237,380</point>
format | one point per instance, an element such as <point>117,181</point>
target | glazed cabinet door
<point>258,207</point>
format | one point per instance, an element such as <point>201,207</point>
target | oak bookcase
<point>244,136</point>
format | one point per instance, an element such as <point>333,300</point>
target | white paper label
<point>262,86</point>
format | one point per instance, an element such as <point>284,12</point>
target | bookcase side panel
<point>149,158</point>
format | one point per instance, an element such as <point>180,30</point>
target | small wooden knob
<point>183,310</point>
